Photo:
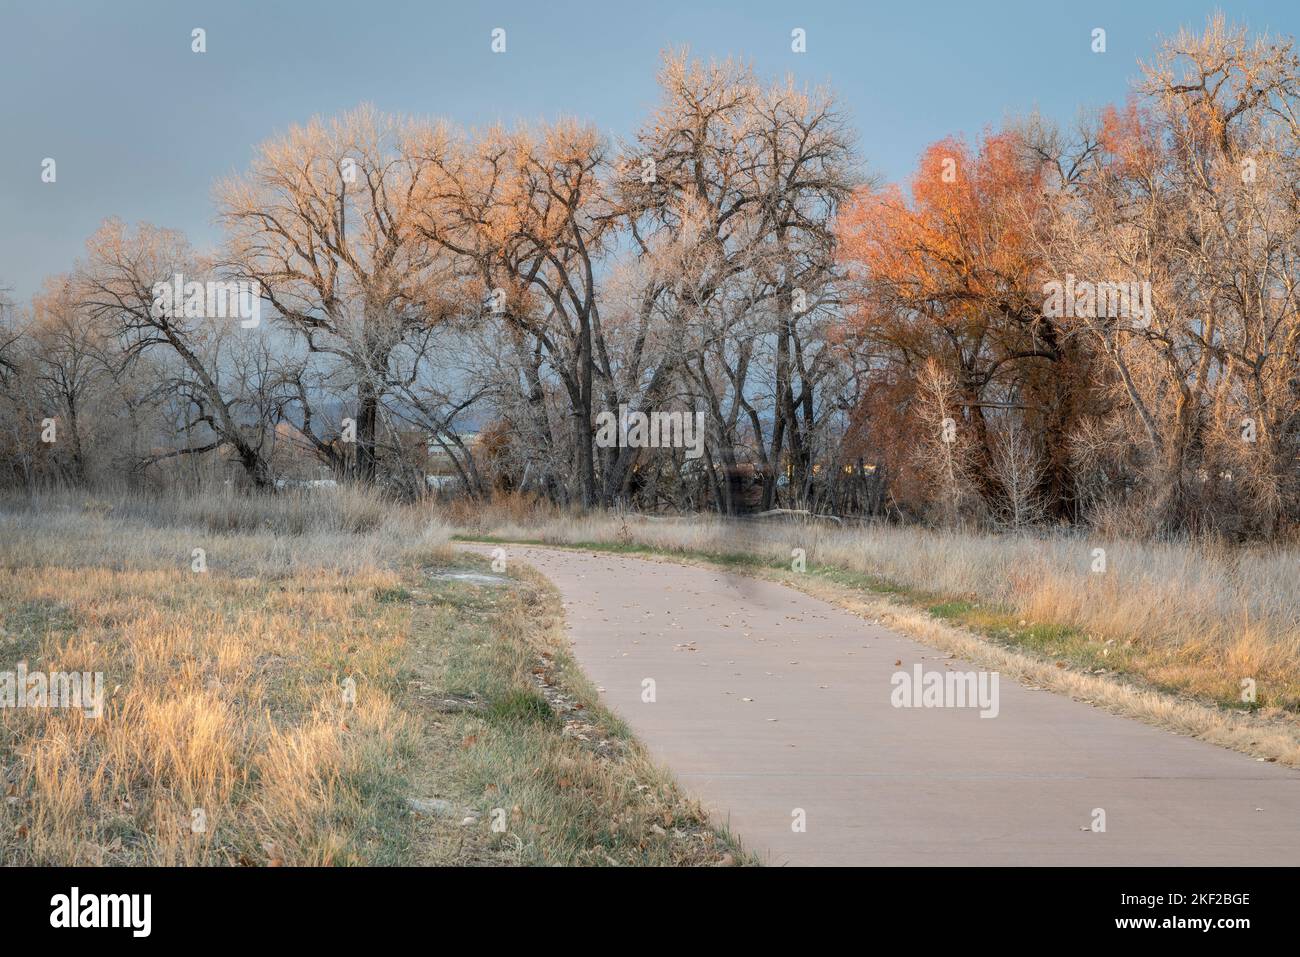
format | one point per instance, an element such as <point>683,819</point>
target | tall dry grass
<point>224,688</point>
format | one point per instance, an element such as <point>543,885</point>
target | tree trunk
<point>582,431</point>
<point>367,419</point>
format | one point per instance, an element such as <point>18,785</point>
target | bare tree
<point>747,179</point>
<point>326,223</point>
<point>1018,468</point>
<point>225,407</point>
<point>1194,192</point>
<point>944,448</point>
<point>523,213</point>
<point>72,362</point>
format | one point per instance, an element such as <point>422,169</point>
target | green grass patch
<point>522,706</point>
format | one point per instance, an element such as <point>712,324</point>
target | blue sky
<point>140,126</point>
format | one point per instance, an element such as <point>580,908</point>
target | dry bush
<point>502,508</point>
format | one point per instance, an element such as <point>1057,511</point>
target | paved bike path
<point>769,702</point>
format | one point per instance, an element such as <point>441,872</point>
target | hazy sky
<point>140,126</point>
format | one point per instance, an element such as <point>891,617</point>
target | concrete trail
<point>768,700</point>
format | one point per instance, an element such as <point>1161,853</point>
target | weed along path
<point>820,738</point>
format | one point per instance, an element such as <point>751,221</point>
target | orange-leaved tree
<point>949,274</point>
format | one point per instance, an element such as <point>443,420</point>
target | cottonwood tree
<point>225,403</point>
<point>1228,112</point>
<point>1194,191</point>
<point>747,179</point>
<point>11,458</point>
<point>524,214</point>
<point>20,412</point>
<point>438,384</point>
<point>325,221</point>
<point>954,274</point>
<point>72,367</point>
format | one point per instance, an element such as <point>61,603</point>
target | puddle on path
<point>474,578</point>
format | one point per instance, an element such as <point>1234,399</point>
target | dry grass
<point>1182,618</point>
<point>224,691</point>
